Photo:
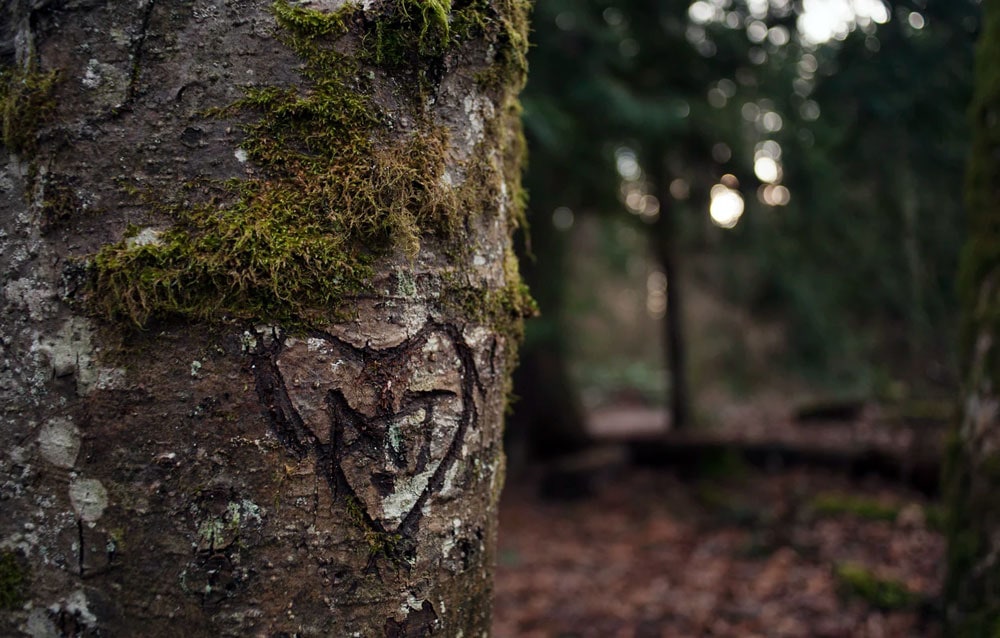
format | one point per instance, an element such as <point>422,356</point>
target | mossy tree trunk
<point>972,592</point>
<point>259,314</point>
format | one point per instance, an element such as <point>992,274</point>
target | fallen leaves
<point>652,556</point>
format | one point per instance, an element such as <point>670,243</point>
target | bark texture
<point>259,314</point>
<point>972,592</point>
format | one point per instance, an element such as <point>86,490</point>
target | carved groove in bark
<point>384,424</point>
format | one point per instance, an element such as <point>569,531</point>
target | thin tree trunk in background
<point>548,416</point>
<point>309,212</point>
<point>972,474</point>
<point>665,248</point>
<point>910,204</point>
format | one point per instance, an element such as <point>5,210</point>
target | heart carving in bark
<point>388,417</point>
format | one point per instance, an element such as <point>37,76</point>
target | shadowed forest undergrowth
<point>741,553</point>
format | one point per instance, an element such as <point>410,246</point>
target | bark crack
<point>138,49</point>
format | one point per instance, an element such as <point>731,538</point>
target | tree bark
<point>259,314</point>
<point>972,473</point>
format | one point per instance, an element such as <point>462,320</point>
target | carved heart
<point>389,416</point>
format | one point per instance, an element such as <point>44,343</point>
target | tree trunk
<point>548,415</point>
<point>665,248</point>
<point>259,314</point>
<point>972,474</point>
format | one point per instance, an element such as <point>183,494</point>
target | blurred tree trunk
<point>665,249</point>
<point>917,321</point>
<point>275,453</point>
<point>548,419</point>
<point>972,590</point>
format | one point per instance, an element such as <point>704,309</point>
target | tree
<point>600,86</point>
<point>881,111</point>
<point>746,83</point>
<point>971,590</point>
<point>259,314</point>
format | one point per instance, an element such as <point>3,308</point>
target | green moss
<point>280,249</point>
<point>511,36</point>
<point>882,593</point>
<point>309,24</point>
<point>504,309</point>
<point>59,203</point>
<point>337,189</point>
<point>412,33</point>
<point>26,103</point>
<point>831,504</point>
<point>13,581</point>
<point>385,544</point>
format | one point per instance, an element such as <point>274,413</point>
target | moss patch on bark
<point>13,581</point>
<point>338,187</point>
<point>26,103</point>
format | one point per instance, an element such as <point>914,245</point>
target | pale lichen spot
<point>108,82</point>
<point>39,625</point>
<point>89,499</point>
<point>406,285</point>
<point>91,77</point>
<point>446,179</point>
<point>59,442</point>
<point>32,295</point>
<point>222,531</point>
<point>70,350</point>
<point>249,342</point>
<point>398,504</point>
<point>315,344</point>
<point>478,109</point>
<point>146,237</point>
<point>411,603</point>
<point>450,489</point>
<point>76,605</point>
<point>241,155</point>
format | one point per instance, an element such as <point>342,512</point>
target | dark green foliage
<point>860,264</point>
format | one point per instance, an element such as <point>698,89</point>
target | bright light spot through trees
<point>726,207</point>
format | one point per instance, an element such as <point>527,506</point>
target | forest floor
<point>726,550</point>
